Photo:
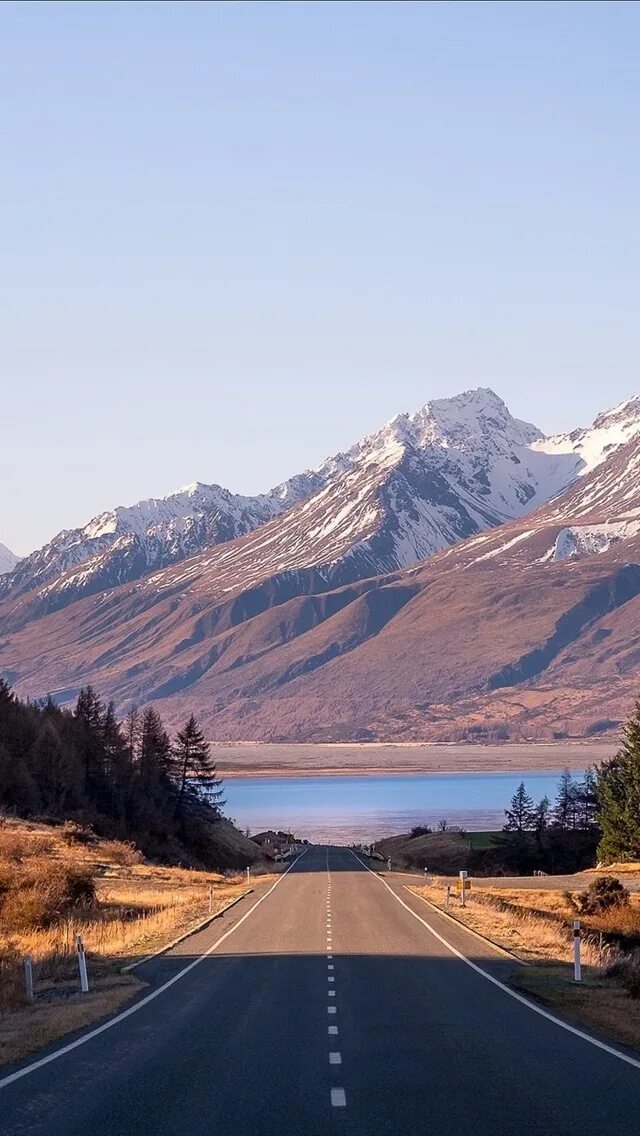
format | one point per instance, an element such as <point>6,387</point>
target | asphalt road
<point>327,1008</point>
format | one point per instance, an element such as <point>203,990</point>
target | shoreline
<point>397,759</point>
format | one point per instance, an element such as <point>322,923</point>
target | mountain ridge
<point>319,625</point>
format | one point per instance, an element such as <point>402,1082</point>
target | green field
<point>480,841</point>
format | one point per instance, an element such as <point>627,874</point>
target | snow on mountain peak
<point>593,444</point>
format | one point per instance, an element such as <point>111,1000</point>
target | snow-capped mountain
<point>8,559</point>
<point>418,485</point>
<point>323,621</point>
<point>125,543</point>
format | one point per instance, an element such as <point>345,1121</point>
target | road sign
<point>460,884</point>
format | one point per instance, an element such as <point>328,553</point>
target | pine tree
<point>564,808</point>
<point>18,790</point>
<point>194,769</point>
<point>587,800</point>
<point>56,770</point>
<point>541,816</point>
<point>521,816</point>
<point>619,797</point>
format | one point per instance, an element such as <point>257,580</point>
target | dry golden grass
<point>527,934</point>
<point>139,908</point>
<point>29,1028</point>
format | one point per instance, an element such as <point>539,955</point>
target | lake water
<point>347,809</point>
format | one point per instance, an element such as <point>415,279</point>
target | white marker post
<point>577,965</point>
<point>389,864</point>
<point>248,873</point>
<point>463,887</point>
<point>28,977</point>
<point>447,895</point>
<point>82,964</point>
<point>210,898</point>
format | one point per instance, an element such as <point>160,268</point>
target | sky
<point>234,238</point>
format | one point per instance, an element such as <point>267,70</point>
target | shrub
<point>627,970</point>
<point>121,852</point>
<point>45,894</point>
<point>14,846</point>
<point>73,833</point>
<point>602,895</point>
<point>421,830</point>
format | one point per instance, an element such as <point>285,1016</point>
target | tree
<point>618,782</point>
<point>564,805</point>
<point>56,770</point>
<point>541,817</point>
<point>194,769</point>
<point>587,800</point>
<point>18,790</point>
<point>522,815</point>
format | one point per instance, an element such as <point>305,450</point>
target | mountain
<point>320,624</point>
<point>125,543</point>
<point>419,484</point>
<point>8,559</point>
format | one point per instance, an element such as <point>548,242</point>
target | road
<point>330,1004</point>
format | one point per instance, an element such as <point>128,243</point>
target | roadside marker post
<point>82,965</point>
<point>447,895</point>
<point>463,888</point>
<point>577,965</point>
<point>210,898</point>
<point>28,977</point>
<point>248,873</point>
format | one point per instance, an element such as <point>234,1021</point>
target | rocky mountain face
<point>324,620</point>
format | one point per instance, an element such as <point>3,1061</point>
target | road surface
<point>333,1002</point>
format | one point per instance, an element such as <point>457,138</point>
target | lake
<point>347,809</point>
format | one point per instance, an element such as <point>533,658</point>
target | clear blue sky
<point>236,237</point>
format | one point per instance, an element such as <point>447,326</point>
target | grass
<point>129,909</point>
<point>481,841</point>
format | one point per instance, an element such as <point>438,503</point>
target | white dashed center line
<point>335,1059</point>
<point>332,1029</point>
<point>338,1098</point>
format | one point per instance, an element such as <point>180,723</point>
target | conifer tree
<point>194,769</point>
<point>619,797</point>
<point>565,802</point>
<point>521,816</point>
<point>56,770</point>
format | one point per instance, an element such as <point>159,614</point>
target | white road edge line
<point>143,1001</point>
<point>496,981</point>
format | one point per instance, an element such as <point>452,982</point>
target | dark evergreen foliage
<point>125,780</point>
<point>619,797</point>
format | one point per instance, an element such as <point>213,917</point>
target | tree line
<point>575,806</point>
<point>127,779</point>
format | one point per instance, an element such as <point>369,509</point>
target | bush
<point>44,894</point>
<point>73,833</point>
<point>121,852</point>
<point>602,895</point>
<point>627,970</point>
<point>14,846</point>
<point>421,830</point>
